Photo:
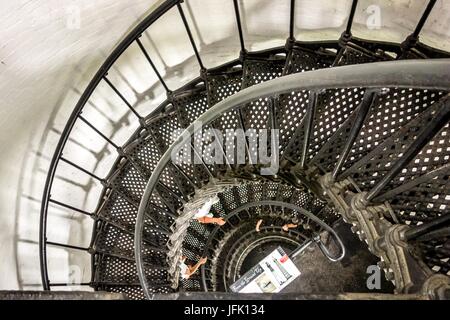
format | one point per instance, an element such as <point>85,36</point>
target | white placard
<point>270,275</point>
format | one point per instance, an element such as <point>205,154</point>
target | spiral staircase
<point>362,137</point>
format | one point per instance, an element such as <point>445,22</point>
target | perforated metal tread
<point>291,108</point>
<point>369,169</point>
<point>331,111</point>
<point>436,254</point>
<point>114,270</point>
<point>221,84</point>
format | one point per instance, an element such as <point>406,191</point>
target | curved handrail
<point>424,74</point>
<point>124,44</point>
<point>327,252</point>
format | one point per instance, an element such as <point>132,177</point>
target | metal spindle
<point>439,120</point>
<point>292,20</point>
<point>169,190</point>
<point>239,25</point>
<point>435,234</point>
<point>98,132</point>
<point>158,208</point>
<point>445,169</point>
<point>147,56</point>
<point>309,119</point>
<point>67,246</point>
<point>82,169</point>
<point>70,207</point>
<point>196,154</point>
<point>122,98</point>
<point>424,18</point>
<point>423,229</point>
<point>69,284</point>
<point>247,147</point>
<point>413,38</point>
<point>216,137</point>
<point>364,108</point>
<point>347,34</point>
<point>188,179</point>
<point>191,38</point>
<point>348,29</point>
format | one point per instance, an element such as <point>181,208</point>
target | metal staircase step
<point>370,168</point>
<point>189,105</point>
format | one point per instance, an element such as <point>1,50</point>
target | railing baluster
<point>70,207</point>
<point>364,108</point>
<point>191,38</point>
<point>169,190</point>
<point>348,29</point>
<point>98,132</point>
<point>136,205</point>
<point>224,154</point>
<point>69,284</point>
<point>423,18</point>
<point>82,169</point>
<point>309,119</point>
<point>292,21</point>
<point>247,147</point>
<point>67,246</point>
<point>239,25</point>
<point>439,120</point>
<point>122,98</point>
<point>423,229</point>
<point>199,156</point>
<point>188,179</point>
<point>272,114</point>
<point>347,34</point>
<point>435,234</point>
<point>273,126</point>
<point>147,56</point>
<point>161,150</point>
<point>156,207</point>
<point>413,38</point>
<point>445,169</point>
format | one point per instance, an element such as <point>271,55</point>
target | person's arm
<point>207,220</point>
<point>193,269</point>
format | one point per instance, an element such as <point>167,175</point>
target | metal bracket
<point>385,240</point>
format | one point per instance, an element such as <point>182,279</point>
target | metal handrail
<point>431,75</point>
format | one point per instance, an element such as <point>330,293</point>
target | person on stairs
<point>188,270</point>
<point>204,215</point>
<point>288,226</point>
<point>258,225</point>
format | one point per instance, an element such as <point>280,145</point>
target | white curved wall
<point>50,49</point>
